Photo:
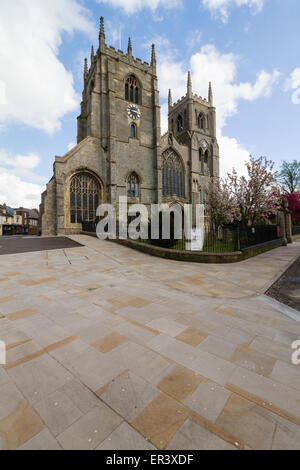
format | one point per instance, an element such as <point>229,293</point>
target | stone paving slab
<point>112,349</point>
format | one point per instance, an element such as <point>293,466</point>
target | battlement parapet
<point>119,55</point>
<point>196,98</point>
<point>144,66</point>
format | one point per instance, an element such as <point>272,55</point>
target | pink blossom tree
<point>223,206</point>
<point>255,194</point>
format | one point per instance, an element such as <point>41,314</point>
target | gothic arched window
<point>133,183</point>
<point>132,90</point>
<point>85,195</point>
<point>172,174</point>
<point>133,131</point>
<point>206,155</point>
<point>179,123</point>
<point>200,154</point>
<point>201,121</point>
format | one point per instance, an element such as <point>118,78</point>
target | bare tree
<point>255,194</point>
<point>223,206</point>
<point>289,176</point>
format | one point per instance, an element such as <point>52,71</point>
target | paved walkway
<point>112,349</point>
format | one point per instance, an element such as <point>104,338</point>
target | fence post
<point>289,227</point>
<point>281,218</point>
<point>285,222</point>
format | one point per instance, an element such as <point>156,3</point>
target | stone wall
<point>199,257</point>
<point>49,207</point>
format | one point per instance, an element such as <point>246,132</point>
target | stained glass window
<point>84,198</point>
<point>172,174</point>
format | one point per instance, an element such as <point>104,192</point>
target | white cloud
<point>16,192</point>
<point>39,89</point>
<point>220,8</point>
<point>2,93</point>
<point>135,6</point>
<point>233,155</point>
<point>193,38</point>
<point>15,171</point>
<point>210,65</point>
<point>293,83</point>
<point>221,69</point>
<point>71,145</point>
<point>21,166</point>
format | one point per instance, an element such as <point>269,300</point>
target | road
<point>287,288</point>
<point>22,244</point>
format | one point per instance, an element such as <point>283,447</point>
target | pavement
<point>112,349</point>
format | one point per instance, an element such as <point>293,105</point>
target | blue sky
<point>247,48</point>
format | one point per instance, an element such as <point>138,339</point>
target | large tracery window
<point>85,193</point>
<point>172,174</point>
<point>132,90</point>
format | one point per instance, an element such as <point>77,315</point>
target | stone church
<point>120,150</point>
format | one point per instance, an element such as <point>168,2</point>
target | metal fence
<point>89,226</point>
<point>225,240</point>
<point>222,240</point>
<point>296,230</point>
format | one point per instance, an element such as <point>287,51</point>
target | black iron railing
<point>296,229</point>
<point>224,240</point>
<point>258,234</point>
<point>89,226</point>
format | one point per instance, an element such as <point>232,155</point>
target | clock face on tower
<point>133,112</point>
<point>204,144</point>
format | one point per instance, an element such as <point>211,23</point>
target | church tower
<point>192,121</point>
<point>120,107</point>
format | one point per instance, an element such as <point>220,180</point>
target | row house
<point>10,221</point>
<point>30,220</point>
<point>18,221</point>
